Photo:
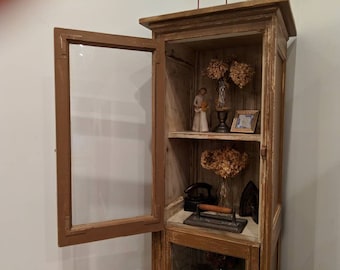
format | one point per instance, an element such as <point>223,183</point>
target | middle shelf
<point>214,136</point>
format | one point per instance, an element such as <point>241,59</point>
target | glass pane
<point>195,259</point>
<point>111,129</point>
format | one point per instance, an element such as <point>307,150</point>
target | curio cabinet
<point>207,133</point>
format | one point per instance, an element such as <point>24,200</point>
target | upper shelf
<point>214,136</point>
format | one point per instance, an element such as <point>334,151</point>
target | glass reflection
<point>111,129</point>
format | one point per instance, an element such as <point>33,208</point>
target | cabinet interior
<point>185,61</point>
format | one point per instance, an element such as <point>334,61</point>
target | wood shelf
<point>249,234</point>
<point>214,136</point>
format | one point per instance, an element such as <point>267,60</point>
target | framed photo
<point>245,121</point>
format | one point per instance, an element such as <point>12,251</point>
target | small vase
<point>221,106</point>
<point>221,103</point>
<point>225,196</point>
<point>221,100</point>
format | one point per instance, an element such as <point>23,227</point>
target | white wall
<point>27,112</point>
<point>311,237</point>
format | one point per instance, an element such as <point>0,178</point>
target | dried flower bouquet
<point>239,73</point>
<point>226,162</point>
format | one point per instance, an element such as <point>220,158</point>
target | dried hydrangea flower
<point>241,73</point>
<point>226,162</point>
<point>216,69</point>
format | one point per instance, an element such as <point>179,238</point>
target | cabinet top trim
<point>284,5</point>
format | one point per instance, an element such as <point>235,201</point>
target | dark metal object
<point>215,221</point>
<point>249,204</point>
<point>196,194</point>
<point>222,126</point>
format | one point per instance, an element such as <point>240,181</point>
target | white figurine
<point>200,122</point>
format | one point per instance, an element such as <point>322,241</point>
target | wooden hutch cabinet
<point>255,32</point>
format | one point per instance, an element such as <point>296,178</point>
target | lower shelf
<point>187,247</point>
<point>250,232</point>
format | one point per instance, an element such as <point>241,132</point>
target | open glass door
<point>107,117</point>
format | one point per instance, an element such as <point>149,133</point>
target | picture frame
<point>245,121</point>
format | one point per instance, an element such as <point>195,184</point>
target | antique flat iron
<point>249,204</point>
<point>220,218</point>
<point>196,194</point>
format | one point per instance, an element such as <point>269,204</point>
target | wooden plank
<point>159,251</point>
<point>72,36</point>
<point>210,243</point>
<point>253,263</point>
<point>214,136</point>
<point>249,234</point>
<point>284,5</point>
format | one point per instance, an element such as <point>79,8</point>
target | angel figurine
<point>200,122</point>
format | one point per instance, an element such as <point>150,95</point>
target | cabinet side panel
<point>277,136</point>
<point>180,65</point>
<point>179,87</point>
<point>274,139</point>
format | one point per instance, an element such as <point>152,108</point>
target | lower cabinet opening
<point>185,258</point>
